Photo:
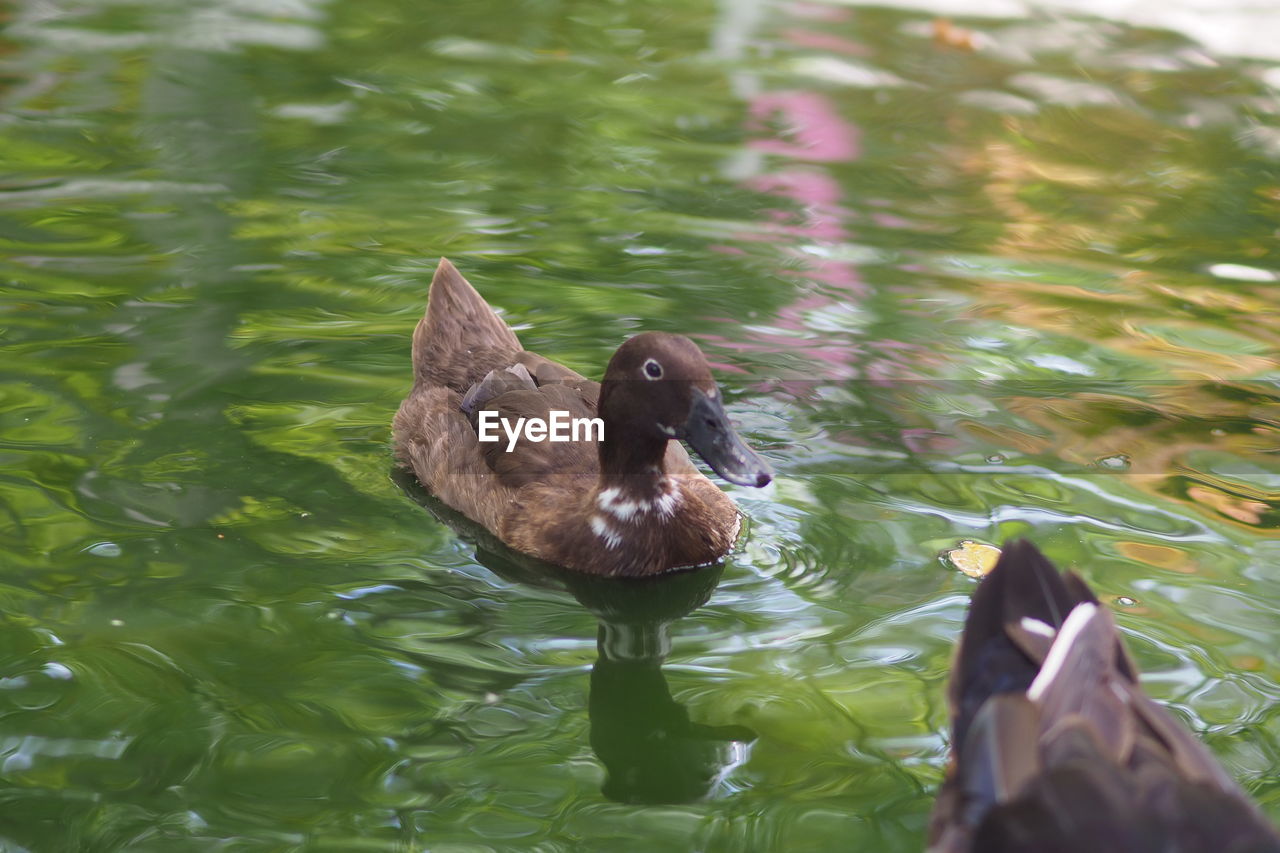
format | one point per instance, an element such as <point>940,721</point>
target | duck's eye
<point>652,369</point>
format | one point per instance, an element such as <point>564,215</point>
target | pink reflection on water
<point>818,192</point>
<point>825,41</point>
<point>811,120</point>
<point>803,134</point>
<point>807,130</point>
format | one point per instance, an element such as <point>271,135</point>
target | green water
<point>1028,288</point>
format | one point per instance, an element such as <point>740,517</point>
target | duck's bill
<point>709,433</point>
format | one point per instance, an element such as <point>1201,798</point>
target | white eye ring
<point>652,370</point>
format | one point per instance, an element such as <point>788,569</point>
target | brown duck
<point>629,503</point>
<point>1056,749</point>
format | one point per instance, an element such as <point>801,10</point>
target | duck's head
<point>657,387</point>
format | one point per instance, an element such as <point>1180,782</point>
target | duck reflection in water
<point>652,752</point>
<point>651,749</point>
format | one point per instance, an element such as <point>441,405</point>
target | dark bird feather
<point>1056,748</point>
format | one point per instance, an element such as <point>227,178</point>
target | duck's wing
<point>525,461</point>
<point>496,383</point>
<point>1055,746</point>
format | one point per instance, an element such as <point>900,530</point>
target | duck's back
<point>468,361</point>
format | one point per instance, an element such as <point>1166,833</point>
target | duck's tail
<point>1055,743</point>
<point>1013,619</point>
<point>458,324</point>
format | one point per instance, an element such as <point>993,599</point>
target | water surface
<point>1003,276</point>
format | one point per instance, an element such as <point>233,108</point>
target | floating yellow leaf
<point>975,559</point>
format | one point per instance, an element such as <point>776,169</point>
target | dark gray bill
<point>708,432</point>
